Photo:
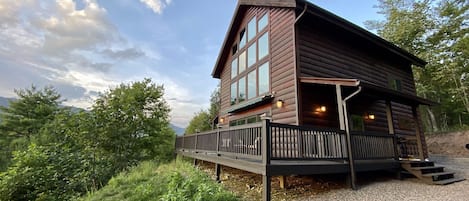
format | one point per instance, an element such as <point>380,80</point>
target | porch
<point>273,149</point>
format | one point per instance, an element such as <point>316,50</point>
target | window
<point>395,84</point>
<point>250,73</point>
<point>357,123</point>
<point>234,93</point>
<point>252,29</point>
<point>242,38</point>
<point>263,22</point>
<point>242,62</point>
<point>263,45</point>
<point>246,120</point>
<point>234,68</point>
<point>263,79</point>
<point>242,89</point>
<point>252,55</point>
<point>252,84</point>
<point>235,49</point>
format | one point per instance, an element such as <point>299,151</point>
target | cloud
<point>130,53</point>
<point>156,5</point>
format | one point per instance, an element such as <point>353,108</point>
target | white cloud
<point>156,5</point>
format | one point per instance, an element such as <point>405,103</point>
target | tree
<point>438,33</point>
<point>25,116</point>
<point>199,123</point>
<point>132,124</point>
<point>203,120</point>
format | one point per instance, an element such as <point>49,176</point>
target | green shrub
<point>176,181</point>
<point>49,173</point>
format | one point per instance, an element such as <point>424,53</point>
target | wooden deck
<point>273,149</point>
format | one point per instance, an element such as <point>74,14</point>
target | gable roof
<point>312,9</point>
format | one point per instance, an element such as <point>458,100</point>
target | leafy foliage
<point>178,181</point>
<point>438,32</point>
<point>132,124</point>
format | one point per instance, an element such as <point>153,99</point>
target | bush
<point>49,173</point>
<point>177,181</point>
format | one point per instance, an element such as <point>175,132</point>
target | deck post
<point>418,133</point>
<point>217,172</point>
<point>266,155</point>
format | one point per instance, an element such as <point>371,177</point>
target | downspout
<point>347,132</point>
<point>296,62</point>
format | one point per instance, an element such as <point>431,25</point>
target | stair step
<point>429,169</point>
<point>437,174</point>
<point>419,163</point>
<point>448,181</point>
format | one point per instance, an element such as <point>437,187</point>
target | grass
<point>177,180</point>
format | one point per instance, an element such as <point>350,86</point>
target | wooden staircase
<point>427,172</point>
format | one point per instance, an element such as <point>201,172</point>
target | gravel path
<point>408,189</point>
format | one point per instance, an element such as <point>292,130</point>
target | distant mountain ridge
<point>5,102</point>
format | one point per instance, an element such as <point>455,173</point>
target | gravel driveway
<point>408,189</point>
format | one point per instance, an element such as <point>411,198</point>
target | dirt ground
<point>446,149</point>
<point>449,144</point>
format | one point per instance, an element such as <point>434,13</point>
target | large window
<point>250,70</point>
<point>264,79</point>
<point>252,88</point>
<point>234,68</point>
<point>264,45</point>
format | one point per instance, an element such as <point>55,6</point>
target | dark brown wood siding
<point>283,70</point>
<point>327,51</point>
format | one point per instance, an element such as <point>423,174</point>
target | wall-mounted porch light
<point>279,103</point>
<point>370,116</point>
<point>222,120</point>
<point>321,108</point>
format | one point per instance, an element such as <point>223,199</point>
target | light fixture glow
<point>279,103</point>
<point>371,116</point>
<point>222,120</point>
<point>323,108</point>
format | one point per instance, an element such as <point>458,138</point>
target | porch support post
<point>217,172</point>
<point>266,155</point>
<point>418,133</point>
<point>391,128</point>
<point>338,91</point>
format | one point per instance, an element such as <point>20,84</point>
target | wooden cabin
<point>302,88</point>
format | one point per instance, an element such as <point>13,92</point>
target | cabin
<point>306,92</point>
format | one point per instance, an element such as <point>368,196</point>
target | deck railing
<point>288,142</point>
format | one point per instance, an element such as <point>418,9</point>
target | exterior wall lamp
<point>222,120</point>
<point>370,116</point>
<point>279,103</point>
<point>321,109</point>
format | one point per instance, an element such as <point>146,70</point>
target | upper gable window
<point>395,84</point>
<point>252,29</point>
<point>263,22</point>
<point>242,38</point>
<point>250,68</point>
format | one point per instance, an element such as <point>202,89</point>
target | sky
<point>85,47</point>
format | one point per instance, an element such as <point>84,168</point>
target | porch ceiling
<point>371,90</point>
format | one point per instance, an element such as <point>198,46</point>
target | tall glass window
<point>242,62</point>
<point>234,93</point>
<point>252,84</point>
<point>252,29</point>
<point>242,89</point>
<point>234,68</point>
<point>263,45</point>
<point>263,22</point>
<point>252,55</point>
<point>263,78</point>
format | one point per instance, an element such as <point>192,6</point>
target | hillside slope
<point>451,144</point>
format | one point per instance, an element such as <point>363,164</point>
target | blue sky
<point>83,47</point>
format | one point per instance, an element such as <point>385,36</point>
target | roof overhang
<point>372,90</point>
